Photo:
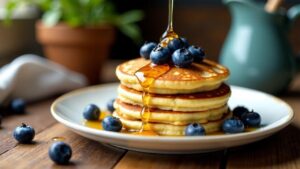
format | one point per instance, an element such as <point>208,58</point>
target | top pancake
<point>204,76</point>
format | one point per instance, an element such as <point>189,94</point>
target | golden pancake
<point>170,117</point>
<point>169,129</point>
<point>203,76</point>
<point>180,102</point>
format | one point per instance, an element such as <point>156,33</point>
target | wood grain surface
<point>281,150</point>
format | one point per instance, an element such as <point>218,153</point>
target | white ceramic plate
<point>275,113</point>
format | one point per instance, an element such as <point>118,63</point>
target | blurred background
<point>203,22</point>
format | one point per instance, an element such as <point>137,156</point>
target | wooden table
<point>280,151</point>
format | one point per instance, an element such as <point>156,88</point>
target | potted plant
<point>78,33</point>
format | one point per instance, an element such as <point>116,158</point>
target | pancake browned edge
<point>170,117</point>
<point>204,76</point>
<point>170,129</point>
<point>179,102</point>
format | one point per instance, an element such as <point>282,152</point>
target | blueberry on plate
<point>233,125</point>
<point>160,55</point>
<point>251,119</point>
<point>175,44</point>
<point>185,42</point>
<point>91,112</point>
<point>194,129</point>
<point>182,58</point>
<point>197,53</point>
<point>18,106</point>
<point>239,111</point>
<point>111,123</point>
<point>146,49</point>
<point>110,105</point>
<point>24,134</point>
<point>60,152</point>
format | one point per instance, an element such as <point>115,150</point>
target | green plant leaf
<point>131,17</point>
<point>53,15</point>
<point>82,13</point>
<point>132,31</point>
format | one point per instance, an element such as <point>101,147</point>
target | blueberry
<point>146,49</point>
<point>91,112</point>
<point>182,58</point>
<point>233,125</point>
<point>60,152</point>
<point>24,134</point>
<point>175,44</point>
<point>185,42</point>
<point>251,119</point>
<point>160,55</point>
<point>18,106</point>
<point>239,111</point>
<point>197,53</point>
<point>111,123</point>
<point>110,105</point>
<point>194,129</point>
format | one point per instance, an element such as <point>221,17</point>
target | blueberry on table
<point>175,44</point>
<point>91,112</point>
<point>182,58</point>
<point>239,111</point>
<point>110,105</point>
<point>146,49</point>
<point>233,125</point>
<point>197,52</point>
<point>160,55</point>
<point>111,123</point>
<point>194,129</point>
<point>184,42</point>
<point>60,152</point>
<point>251,119</point>
<point>18,106</point>
<point>24,133</point>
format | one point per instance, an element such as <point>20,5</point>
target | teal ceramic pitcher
<point>257,50</point>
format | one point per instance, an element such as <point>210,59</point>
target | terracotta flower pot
<point>80,49</point>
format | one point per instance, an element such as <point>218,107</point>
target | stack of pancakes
<point>177,98</point>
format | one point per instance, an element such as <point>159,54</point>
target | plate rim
<point>279,124</point>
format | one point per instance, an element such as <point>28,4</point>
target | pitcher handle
<point>294,13</point>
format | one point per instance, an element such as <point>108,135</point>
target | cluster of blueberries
<point>242,118</point>
<point>178,52</point>
<point>109,123</point>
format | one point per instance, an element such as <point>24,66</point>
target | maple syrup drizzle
<point>149,73</point>
<point>169,34</point>
<point>146,77</point>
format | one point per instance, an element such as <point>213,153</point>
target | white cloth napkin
<point>31,77</point>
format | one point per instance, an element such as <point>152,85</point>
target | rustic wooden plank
<point>281,151</point>
<point>86,153</point>
<point>38,116</point>
<point>158,161</point>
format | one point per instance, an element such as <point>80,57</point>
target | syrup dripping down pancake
<point>170,117</point>
<point>179,102</point>
<point>204,76</point>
